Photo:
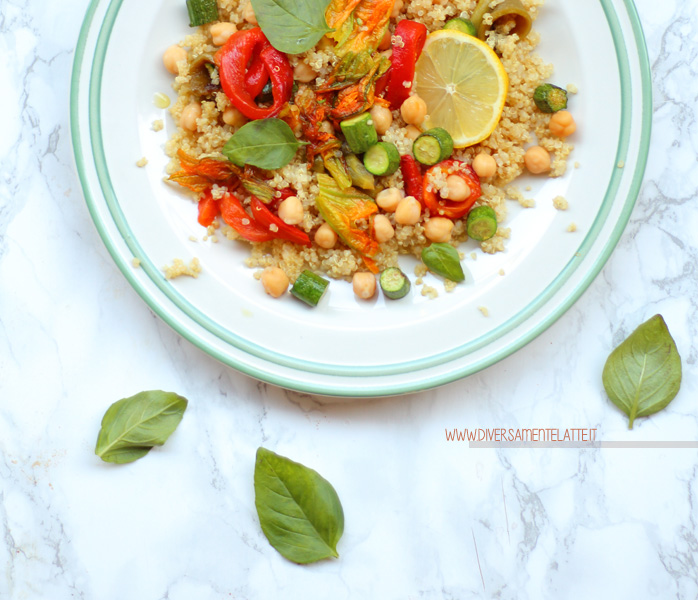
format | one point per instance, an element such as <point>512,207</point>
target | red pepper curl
<point>242,84</point>
<point>262,225</point>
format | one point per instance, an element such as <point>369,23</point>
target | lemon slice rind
<point>464,85</point>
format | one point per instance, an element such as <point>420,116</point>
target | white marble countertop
<point>425,518</point>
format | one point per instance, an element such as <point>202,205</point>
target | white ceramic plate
<point>344,346</point>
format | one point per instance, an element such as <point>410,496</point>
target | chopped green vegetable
<point>359,132</point>
<point>549,98</point>
<point>482,223</point>
<point>433,146</point>
<point>336,167</point>
<point>202,12</point>
<point>360,177</point>
<point>505,12</point>
<point>309,287</point>
<point>443,259</point>
<point>382,159</point>
<point>462,25</point>
<point>318,165</point>
<point>258,188</point>
<point>394,283</point>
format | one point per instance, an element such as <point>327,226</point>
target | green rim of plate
<point>270,356</point>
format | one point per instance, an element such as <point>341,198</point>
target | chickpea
<point>382,228</point>
<point>189,116</point>
<point>382,118</point>
<point>412,132</point>
<point>364,285</point>
<point>386,40</point>
<point>408,211</point>
<point>304,73</point>
<point>233,117</point>
<point>389,198</point>
<point>438,229</point>
<point>325,237</point>
<point>172,57</point>
<point>291,210</point>
<point>413,110</point>
<point>275,281</point>
<point>562,124</point>
<point>484,165</point>
<point>397,8</point>
<point>458,188</point>
<point>220,32</point>
<point>537,160</point>
<point>248,14</point>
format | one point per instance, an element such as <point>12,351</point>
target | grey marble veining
<point>426,518</point>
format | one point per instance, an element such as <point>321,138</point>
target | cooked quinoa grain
<point>178,268</point>
<point>560,203</point>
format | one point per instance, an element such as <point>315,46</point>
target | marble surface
<point>425,518</point>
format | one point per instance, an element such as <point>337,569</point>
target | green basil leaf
<point>643,374</point>
<point>299,511</point>
<point>132,426</point>
<point>265,143</point>
<point>292,26</point>
<point>443,259</point>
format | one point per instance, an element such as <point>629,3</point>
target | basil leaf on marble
<point>292,26</point>
<point>299,511</point>
<point>443,259</point>
<point>132,426</point>
<point>264,143</point>
<point>643,374</point>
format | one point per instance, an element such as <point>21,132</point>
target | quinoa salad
<point>333,137</point>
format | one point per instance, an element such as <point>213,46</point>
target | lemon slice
<point>464,85</point>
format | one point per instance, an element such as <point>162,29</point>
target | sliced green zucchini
<point>549,98</point>
<point>359,132</point>
<point>433,146</point>
<point>462,25</point>
<point>394,283</point>
<point>202,12</point>
<point>481,224</point>
<point>505,12</point>
<point>360,176</point>
<point>309,287</point>
<point>382,159</point>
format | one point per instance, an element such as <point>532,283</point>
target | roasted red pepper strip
<point>274,224</point>
<point>406,51</point>
<point>256,77</point>
<point>232,60</point>
<point>236,216</point>
<point>447,208</point>
<point>412,176</point>
<point>209,209</point>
